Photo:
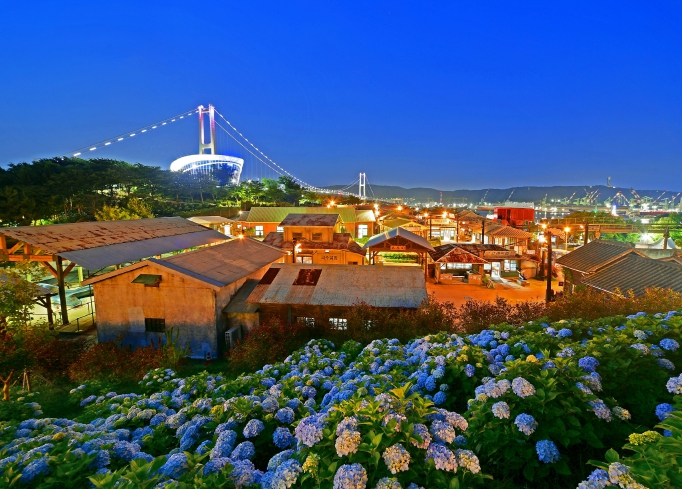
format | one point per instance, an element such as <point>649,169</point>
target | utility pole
<point>666,235</point>
<point>548,294</point>
<point>293,252</point>
<point>587,230</point>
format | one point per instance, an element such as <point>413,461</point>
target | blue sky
<point>457,95</point>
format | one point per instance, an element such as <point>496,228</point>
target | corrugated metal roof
<point>341,241</point>
<point>394,233</point>
<point>105,256</point>
<point>238,303</point>
<point>278,214</point>
<point>312,220</point>
<point>478,248</point>
<point>59,238</point>
<point>217,265</point>
<point>507,232</point>
<point>227,262</point>
<point>402,223</point>
<point>210,219</point>
<point>345,285</point>
<point>594,255</point>
<point>637,273</point>
<point>39,288</point>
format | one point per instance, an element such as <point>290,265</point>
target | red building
<point>516,216</point>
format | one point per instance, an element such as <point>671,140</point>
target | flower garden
<point>587,404</point>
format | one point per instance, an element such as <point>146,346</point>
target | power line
<point>129,134</point>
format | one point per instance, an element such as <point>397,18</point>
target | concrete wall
<point>186,305</point>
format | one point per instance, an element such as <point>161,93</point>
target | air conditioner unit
<point>231,336</point>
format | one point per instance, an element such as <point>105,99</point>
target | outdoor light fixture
<point>400,207</point>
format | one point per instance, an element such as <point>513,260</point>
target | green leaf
<point>377,439</point>
<point>611,456</point>
<point>454,483</point>
<point>529,472</point>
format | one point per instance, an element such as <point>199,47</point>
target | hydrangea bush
<point>520,403</point>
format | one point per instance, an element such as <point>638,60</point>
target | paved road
<point>458,293</point>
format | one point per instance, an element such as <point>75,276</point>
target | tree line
<point>52,190</point>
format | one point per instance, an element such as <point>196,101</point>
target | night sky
<point>459,95</point>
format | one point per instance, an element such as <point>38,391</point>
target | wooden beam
<point>14,248</point>
<point>50,269</point>
<point>69,268</point>
<point>3,243</point>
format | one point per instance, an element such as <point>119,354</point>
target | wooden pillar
<point>48,307</point>
<point>62,290</point>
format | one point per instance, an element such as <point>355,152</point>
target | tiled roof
<point>278,214</point>
<point>311,220</point>
<point>341,241</point>
<point>477,248</point>
<point>344,285</point>
<point>594,255</point>
<point>636,273</point>
<point>451,253</point>
<point>502,231</point>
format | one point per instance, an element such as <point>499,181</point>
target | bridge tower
<point>203,145</point>
<point>362,191</point>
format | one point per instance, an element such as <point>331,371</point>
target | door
<point>496,269</point>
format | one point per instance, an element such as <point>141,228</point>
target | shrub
<point>474,315</point>
<point>112,362</point>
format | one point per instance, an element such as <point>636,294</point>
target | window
<point>317,236</point>
<point>362,231</point>
<point>297,235</point>
<point>456,266</point>
<point>304,259</point>
<point>338,323</point>
<point>155,325</point>
<point>306,321</point>
<point>280,229</point>
<point>259,231</point>
<point>510,265</point>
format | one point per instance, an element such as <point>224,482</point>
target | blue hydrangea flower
<point>175,466</point>
<point>547,451</point>
<point>663,410</point>
<point>309,430</point>
<point>442,456</point>
<point>564,333</point>
<point>224,445</point>
<point>469,370</point>
<point>588,364</point>
<point>253,428</point>
<point>665,363</point>
<point>282,438</point>
<point>501,410</point>
<point>526,423</point>
<point>285,415</point>
<point>270,404</point>
<point>439,398</point>
<point>669,344</point>
<point>243,473</point>
<point>600,409</point>
<point>522,387</point>
<point>244,451</point>
<point>34,468</point>
<point>350,476</point>
<point>674,385</point>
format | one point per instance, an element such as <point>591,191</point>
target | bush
<point>474,316</point>
<point>112,362</point>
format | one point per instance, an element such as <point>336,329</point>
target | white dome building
<point>226,169</point>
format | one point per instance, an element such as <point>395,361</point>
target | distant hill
<point>520,194</point>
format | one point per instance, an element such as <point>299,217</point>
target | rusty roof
<point>502,231</point>
<point>60,238</point>
<point>210,219</point>
<point>311,220</point>
<point>344,285</point>
<point>278,214</point>
<point>452,253</point>
<point>341,241</point>
<point>217,265</point>
<point>478,248</point>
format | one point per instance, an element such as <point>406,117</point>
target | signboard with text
<point>398,247</point>
<point>499,254</point>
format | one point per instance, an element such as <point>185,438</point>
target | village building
<point>327,293</point>
<point>359,223</point>
<point>515,214</point>
<point>316,238</point>
<point>590,258</point>
<point>186,293</point>
<point>634,273</point>
<point>93,246</point>
<point>407,224</point>
<point>472,260</point>
<point>398,240</point>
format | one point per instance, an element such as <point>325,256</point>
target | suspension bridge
<point>247,161</point>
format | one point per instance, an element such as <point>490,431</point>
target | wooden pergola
<point>399,240</point>
<point>96,245</point>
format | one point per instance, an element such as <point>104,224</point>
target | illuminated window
<point>362,230</point>
<point>304,259</point>
<point>259,231</point>
<point>280,229</point>
<point>155,325</point>
<point>510,265</point>
<point>317,236</point>
<point>338,323</point>
<point>306,321</point>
